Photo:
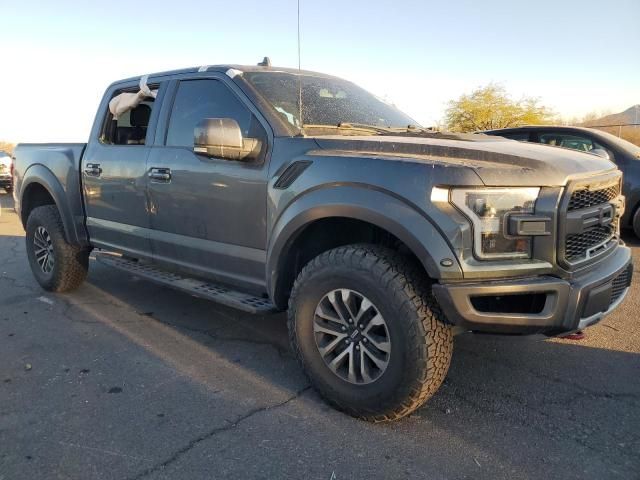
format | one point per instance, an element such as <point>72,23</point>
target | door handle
<point>160,175</point>
<point>93,170</point>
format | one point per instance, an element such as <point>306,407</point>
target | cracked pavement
<point>125,379</point>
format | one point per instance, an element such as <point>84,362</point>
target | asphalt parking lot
<point>124,379</point>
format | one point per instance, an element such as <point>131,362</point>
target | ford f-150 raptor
<point>270,189</point>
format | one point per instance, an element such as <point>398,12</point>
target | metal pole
<point>299,73</point>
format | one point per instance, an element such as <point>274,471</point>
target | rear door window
<point>130,128</point>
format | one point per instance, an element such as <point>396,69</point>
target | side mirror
<point>222,138</point>
<point>601,152</point>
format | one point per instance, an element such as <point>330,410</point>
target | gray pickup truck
<point>269,189</point>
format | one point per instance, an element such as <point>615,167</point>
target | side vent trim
<point>290,174</point>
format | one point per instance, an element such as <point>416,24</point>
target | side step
<point>197,288</point>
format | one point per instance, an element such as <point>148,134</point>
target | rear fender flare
<point>39,174</point>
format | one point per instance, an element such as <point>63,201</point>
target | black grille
<point>577,245</point>
<point>620,283</point>
<point>585,198</point>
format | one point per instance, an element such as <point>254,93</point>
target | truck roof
<point>223,68</point>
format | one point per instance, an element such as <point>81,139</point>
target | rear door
<point>114,176</point>
<point>208,215</point>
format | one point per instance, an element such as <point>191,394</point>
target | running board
<point>197,288</point>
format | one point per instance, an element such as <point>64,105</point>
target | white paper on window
<point>125,102</point>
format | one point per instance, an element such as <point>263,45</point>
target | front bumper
<point>542,304</point>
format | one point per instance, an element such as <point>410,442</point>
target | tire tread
<point>432,350</point>
<point>71,261</point>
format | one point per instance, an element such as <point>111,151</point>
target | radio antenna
<point>299,74</point>
<point>298,34</point>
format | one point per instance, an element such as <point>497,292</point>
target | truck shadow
<point>563,397</point>
<point>535,407</point>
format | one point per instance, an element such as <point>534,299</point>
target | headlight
<point>489,209</point>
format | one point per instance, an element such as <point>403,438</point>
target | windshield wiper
<point>375,128</point>
<point>346,126</point>
<point>354,126</point>
<point>407,129</point>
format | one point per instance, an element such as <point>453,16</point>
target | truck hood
<point>497,161</point>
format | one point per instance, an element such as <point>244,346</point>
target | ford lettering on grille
<point>590,221</point>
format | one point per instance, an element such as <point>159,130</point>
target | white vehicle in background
<point>6,172</point>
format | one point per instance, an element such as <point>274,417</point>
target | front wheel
<point>57,265</point>
<point>368,332</point>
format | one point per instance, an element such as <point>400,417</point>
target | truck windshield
<point>325,101</point>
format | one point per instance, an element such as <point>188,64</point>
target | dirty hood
<point>497,161</point>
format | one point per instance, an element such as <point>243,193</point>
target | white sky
<point>58,57</point>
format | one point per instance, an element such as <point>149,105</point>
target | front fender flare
<point>373,206</point>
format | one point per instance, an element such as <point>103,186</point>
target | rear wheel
<point>57,265</point>
<point>368,332</point>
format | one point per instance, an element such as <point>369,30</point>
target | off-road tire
<point>421,340</point>
<point>71,262</point>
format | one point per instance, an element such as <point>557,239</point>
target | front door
<point>114,179</point>
<point>208,215</point>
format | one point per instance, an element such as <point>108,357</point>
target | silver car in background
<point>6,172</point>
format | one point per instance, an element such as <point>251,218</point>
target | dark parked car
<point>624,154</point>
<point>381,239</point>
<point>6,172</point>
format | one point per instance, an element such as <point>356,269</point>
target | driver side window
<point>199,99</point>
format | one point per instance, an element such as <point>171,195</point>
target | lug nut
<point>361,326</point>
<point>343,328</point>
<point>357,347</point>
<point>364,340</point>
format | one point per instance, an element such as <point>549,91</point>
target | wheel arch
<point>41,187</point>
<point>325,219</point>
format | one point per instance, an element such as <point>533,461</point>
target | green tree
<point>491,107</point>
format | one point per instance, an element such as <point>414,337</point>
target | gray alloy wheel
<point>368,332</point>
<point>43,250</point>
<point>352,336</point>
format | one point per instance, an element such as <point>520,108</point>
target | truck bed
<point>56,166</point>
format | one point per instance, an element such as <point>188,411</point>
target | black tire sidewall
<point>369,397</point>
<point>43,216</point>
